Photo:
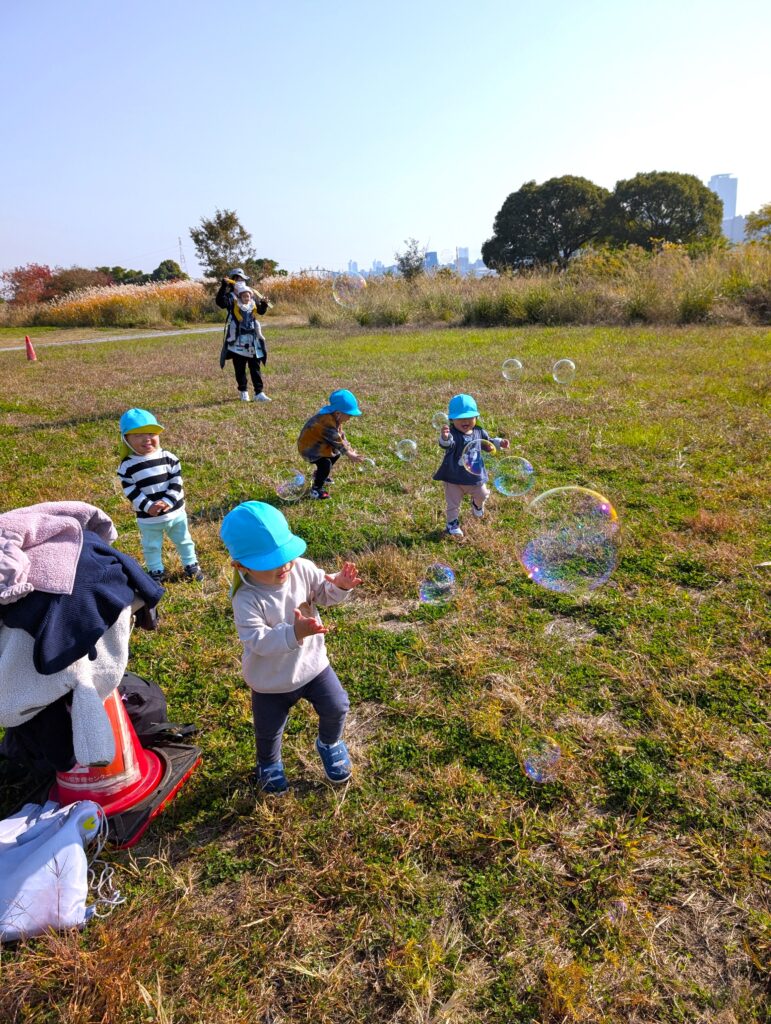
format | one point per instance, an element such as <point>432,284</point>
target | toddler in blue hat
<point>322,440</point>
<point>151,479</point>
<point>462,413</point>
<point>276,594</point>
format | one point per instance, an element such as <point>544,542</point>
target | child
<point>322,440</point>
<point>275,596</point>
<point>243,342</point>
<point>152,482</point>
<point>462,413</point>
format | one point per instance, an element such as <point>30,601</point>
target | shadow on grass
<point>114,414</point>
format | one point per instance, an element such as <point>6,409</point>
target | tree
<point>546,223</point>
<point>63,281</point>
<point>411,262</point>
<point>758,226</point>
<point>120,275</point>
<point>222,243</point>
<point>168,270</point>
<point>663,206</point>
<point>26,285</point>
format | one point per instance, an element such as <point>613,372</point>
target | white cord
<point>107,897</point>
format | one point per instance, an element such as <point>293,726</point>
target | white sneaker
<point>478,512</point>
<point>262,397</point>
<point>453,529</point>
<point>244,396</point>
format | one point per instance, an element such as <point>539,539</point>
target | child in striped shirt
<point>152,482</point>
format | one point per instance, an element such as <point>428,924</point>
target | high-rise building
<point>461,260</point>
<point>353,267</point>
<point>431,260</point>
<point>724,185</point>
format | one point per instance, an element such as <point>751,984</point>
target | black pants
<point>239,365</point>
<point>271,710</point>
<point>323,469</point>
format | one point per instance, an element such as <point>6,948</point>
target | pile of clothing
<point>66,600</point>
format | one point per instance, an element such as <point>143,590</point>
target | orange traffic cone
<point>136,786</point>
<point>131,775</point>
<point>31,357</point>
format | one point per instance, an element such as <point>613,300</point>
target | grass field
<point>443,885</point>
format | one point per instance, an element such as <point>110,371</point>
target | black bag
<point>146,707</point>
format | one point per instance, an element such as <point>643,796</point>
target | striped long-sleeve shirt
<point>149,478</point>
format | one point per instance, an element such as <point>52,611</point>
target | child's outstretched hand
<point>306,625</point>
<point>356,456</point>
<point>505,443</point>
<point>445,433</point>
<point>347,578</point>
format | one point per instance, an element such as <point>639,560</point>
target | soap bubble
<point>563,371</point>
<point>616,911</point>
<point>511,369</point>
<point>366,466</point>
<point>438,585</point>
<point>471,458</point>
<point>541,762</point>
<point>406,450</point>
<point>439,420</point>
<point>348,289</point>
<point>512,476</point>
<point>573,542</point>
<point>293,487</point>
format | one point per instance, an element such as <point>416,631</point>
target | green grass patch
<point>443,884</point>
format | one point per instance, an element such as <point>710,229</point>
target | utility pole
<point>182,261</point>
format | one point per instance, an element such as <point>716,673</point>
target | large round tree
<point>546,223</point>
<point>663,206</point>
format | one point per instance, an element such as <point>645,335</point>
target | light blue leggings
<point>152,533</point>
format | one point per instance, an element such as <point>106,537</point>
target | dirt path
<point>70,337</point>
<point>214,329</point>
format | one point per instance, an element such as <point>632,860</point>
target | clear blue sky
<point>336,130</point>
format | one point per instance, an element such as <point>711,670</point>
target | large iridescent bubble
<point>564,371</point>
<point>541,761</point>
<point>406,450</point>
<point>512,475</point>
<point>294,486</point>
<point>572,540</point>
<point>472,458</point>
<point>438,587</point>
<point>348,289</point>
<point>511,369</point>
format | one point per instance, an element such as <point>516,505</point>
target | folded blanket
<point>40,546</point>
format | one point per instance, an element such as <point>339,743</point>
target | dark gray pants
<point>271,710</point>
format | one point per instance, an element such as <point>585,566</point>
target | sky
<point>338,130</point>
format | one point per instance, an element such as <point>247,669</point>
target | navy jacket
<point>451,471</point>
<point>66,626</point>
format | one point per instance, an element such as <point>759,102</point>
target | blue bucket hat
<point>342,401</point>
<point>139,421</point>
<point>462,407</point>
<point>258,536</point>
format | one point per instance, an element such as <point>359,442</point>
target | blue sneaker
<point>334,757</point>
<point>271,778</point>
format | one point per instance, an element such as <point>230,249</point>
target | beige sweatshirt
<point>274,661</point>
